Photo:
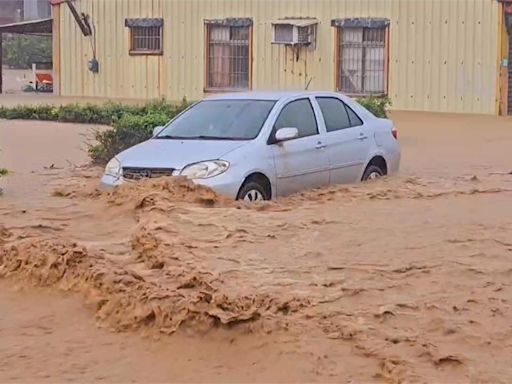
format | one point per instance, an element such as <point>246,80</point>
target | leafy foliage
<point>3,172</point>
<point>379,106</point>
<point>20,51</point>
<point>131,124</point>
<point>131,127</point>
<point>128,131</point>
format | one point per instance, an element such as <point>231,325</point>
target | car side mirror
<point>157,130</point>
<point>285,134</point>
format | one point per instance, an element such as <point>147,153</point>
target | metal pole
<point>86,30</point>
<point>34,77</point>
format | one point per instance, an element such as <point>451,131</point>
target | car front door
<point>347,140</point>
<point>300,163</point>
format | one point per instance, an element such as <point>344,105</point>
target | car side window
<point>334,112</point>
<point>355,121</point>
<point>298,114</point>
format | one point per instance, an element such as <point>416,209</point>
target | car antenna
<point>309,83</point>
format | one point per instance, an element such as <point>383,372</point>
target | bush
<point>128,130</point>
<point>377,105</point>
<point>132,128</point>
<point>3,172</point>
<point>132,124</point>
<point>72,113</point>
<point>105,114</point>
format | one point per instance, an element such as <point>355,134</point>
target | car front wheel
<point>252,192</point>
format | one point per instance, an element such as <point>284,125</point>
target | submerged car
<point>259,146</point>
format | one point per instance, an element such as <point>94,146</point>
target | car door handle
<point>320,145</point>
<point>362,137</point>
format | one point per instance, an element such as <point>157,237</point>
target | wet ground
<point>404,279</point>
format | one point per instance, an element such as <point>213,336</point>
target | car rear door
<point>347,140</point>
<point>300,163</point>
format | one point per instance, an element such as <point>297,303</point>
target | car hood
<point>167,153</point>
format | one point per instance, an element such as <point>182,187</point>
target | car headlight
<point>113,168</point>
<point>205,169</point>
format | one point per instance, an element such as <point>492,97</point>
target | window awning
<point>231,22</point>
<point>145,23</point>
<point>296,22</point>
<point>361,22</point>
<point>33,27</point>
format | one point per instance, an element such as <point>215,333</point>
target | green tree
<point>20,51</point>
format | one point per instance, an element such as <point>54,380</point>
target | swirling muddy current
<point>409,275</point>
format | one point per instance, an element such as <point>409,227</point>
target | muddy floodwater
<point>406,279</point>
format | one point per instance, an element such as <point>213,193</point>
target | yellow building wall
<point>443,53</point>
<point>503,88</point>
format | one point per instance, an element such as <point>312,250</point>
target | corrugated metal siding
<point>509,87</point>
<point>443,53</point>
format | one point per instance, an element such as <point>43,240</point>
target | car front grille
<point>145,173</point>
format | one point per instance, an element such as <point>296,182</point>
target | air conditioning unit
<point>294,31</point>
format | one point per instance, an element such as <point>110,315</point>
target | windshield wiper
<point>201,137</point>
<point>204,137</point>
<point>171,137</point>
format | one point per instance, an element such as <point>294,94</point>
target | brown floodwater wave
<point>167,255</point>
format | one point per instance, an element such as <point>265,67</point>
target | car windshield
<point>220,120</point>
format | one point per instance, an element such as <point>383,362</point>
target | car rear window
<point>337,115</point>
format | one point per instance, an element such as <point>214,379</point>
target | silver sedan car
<point>259,146</point>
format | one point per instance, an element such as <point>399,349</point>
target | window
<point>145,36</point>
<point>146,39</point>
<point>337,115</point>
<point>355,120</point>
<point>362,56</point>
<point>228,57</point>
<point>298,114</point>
<point>220,120</point>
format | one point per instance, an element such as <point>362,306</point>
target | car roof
<point>270,95</point>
